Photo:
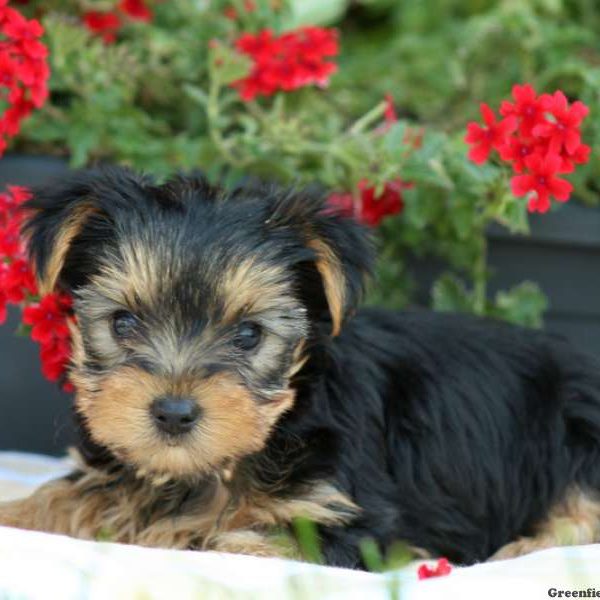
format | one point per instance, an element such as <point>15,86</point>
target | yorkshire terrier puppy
<point>226,385</point>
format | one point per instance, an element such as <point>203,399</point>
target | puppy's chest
<point>208,515</point>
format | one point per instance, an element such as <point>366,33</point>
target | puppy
<point>226,385</point>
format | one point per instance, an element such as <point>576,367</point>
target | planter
<point>562,255</point>
<point>35,414</point>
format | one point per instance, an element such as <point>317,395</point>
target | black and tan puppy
<point>226,385</point>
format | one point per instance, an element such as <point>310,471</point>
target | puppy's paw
<point>520,547</point>
<point>14,514</point>
<point>253,543</point>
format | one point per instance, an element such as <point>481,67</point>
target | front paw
<point>520,547</point>
<point>14,514</point>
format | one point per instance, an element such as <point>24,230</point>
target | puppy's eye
<point>248,335</point>
<point>123,323</point>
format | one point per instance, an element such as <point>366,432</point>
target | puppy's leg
<point>255,544</point>
<point>54,508</point>
<point>575,521</point>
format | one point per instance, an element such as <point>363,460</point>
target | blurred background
<point>156,86</point>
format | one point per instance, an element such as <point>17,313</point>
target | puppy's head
<point>195,308</point>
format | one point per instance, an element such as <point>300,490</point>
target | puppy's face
<point>194,310</point>
<point>186,354</point>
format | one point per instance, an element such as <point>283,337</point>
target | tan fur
<point>69,230</point>
<point>233,423</point>
<point>574,521</point>
<point>256,544</point>
<point>135,511</point>
<point>252,286</point>
<point>135,279</point>
<point>299,359</point>
<point>333,281</point>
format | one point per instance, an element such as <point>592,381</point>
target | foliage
<point>160,99</point>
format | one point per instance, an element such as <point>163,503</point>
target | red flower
<point>24,71</point>
<point>492,137</point>
<point>17,281</point>
<point>369,208</point>
<point>9,69</point>
<point>342,203</point>
<point>10,238</point>
<point>136,9</point>
<point>579,157</point>
<point>543,182</point>
<point>106,25</point>
<point>19,194</point>
<point>288,62</point>
<point>10,201</point>
<point>229,12</point>
<point>375,208</point>
<point>55,357</point>
<point>528,108</point>
<point>48,318</point>
<point>10,124</point>
<point>546,142</point>
<point>563,132</point>
<point>257,46</point>
<point>389,114</point>
<point>442,568</point>
<point>3,310</point>
<point>517,151</point>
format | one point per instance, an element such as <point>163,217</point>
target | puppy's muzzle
<point>174,415</point>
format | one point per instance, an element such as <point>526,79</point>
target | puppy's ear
<point>338,253</point>
<point>68,219</point>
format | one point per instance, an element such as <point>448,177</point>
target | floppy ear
<point>66,219</point>
<point>340,249</point>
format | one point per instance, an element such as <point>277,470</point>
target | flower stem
<point>368,119</point>
<point>213,118</point>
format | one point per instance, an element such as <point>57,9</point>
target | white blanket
<point>36,565</point>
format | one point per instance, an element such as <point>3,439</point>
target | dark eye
<point>123,323</point>
<point>248,335</point>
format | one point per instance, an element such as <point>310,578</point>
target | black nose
<point>175,415</point>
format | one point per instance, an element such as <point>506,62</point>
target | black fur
<point>453,434</point>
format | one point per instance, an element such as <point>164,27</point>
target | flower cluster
<point>24,70</point>
<point>367,206</point>
<point>540,136</point>
<point>443,567</point>
<point>287,62</point>
<point>108,24</point>
<point>46,318</point>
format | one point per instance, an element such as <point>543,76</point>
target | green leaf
<point>371,555</point>
<point>315,12</point>
<point>23,330</point>
<point>105,534</point>
<point>227,65</point>
<point>307,537</point>
<point>463,218</point>
<point>449,294</point>
<point>512,213</point>
<point>196,94</point>
<point>524,305</point>
<point>394,139</point>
